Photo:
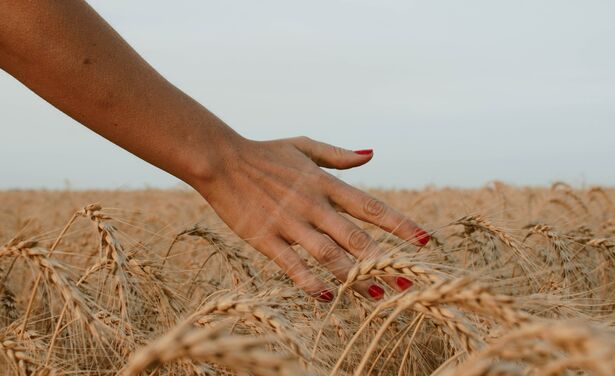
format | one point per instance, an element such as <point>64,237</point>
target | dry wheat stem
<point>90,315</point>
<point>584,346</point>
<point>212,345</point>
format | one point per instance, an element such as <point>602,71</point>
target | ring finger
<point>335,259</point>
<point>359,243</point>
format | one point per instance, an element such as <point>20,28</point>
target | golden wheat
<point>515,281</point>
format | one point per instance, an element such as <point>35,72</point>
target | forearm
<point>66,53</point>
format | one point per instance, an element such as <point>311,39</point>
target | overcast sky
<point>446,92</point>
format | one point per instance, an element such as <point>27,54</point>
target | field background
<point>515,281</point>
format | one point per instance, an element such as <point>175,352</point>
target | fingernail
<point>421,236</point>
<point>376,292</point>
<point>364,151</point>
<point>325,296</point>
<point>403,283</point>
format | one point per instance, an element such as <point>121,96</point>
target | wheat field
<point>515,281</point>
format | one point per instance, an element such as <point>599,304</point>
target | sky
<point>447,93</point>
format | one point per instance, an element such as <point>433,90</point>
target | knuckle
<point>338,152</point>
<point>326,180</point>
<point>303,139</point>
<point>374,208</point>
<point>359,240</point>
<point>284,221</point>
<point>302,202</point>
<point>318,210</point>
<point>261,243</point>
<point>329,252</point>
<point>299,141</point>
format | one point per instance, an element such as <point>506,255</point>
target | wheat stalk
<point>212,345</point>
<point>550,347</point>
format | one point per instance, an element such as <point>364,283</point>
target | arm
<point>68,55</point>
<point>271,193</point>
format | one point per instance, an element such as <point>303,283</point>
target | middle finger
<point>358,242</point>
<point>330,255</point>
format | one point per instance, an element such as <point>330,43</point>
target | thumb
<point>330,156</point>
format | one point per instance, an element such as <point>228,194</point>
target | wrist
<point>211,158</point>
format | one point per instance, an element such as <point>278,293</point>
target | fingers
<point>291,263</point>
<point>330,156</point>
<point>335,259</point>
<point>358,242</point>
<point>369,209</point>
<point>352,238</point>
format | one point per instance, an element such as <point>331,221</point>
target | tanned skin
<point>273,194</point>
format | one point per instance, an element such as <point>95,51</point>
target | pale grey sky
<point>446,92</point>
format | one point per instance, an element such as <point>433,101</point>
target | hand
<point>273,194</point>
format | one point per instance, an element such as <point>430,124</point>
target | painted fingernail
<point>403,283</point>
<point>421,236</point>
<point>364,151</point>
<point>325,296</point>
<point>376,292</point>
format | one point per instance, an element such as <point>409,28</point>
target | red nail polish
<point>364,151</point>
<point>376,292</point>
<point>421,236</point>
<point>325,296</point>
<point>403,283</point>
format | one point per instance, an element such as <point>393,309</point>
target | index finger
<point>369,209</point>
